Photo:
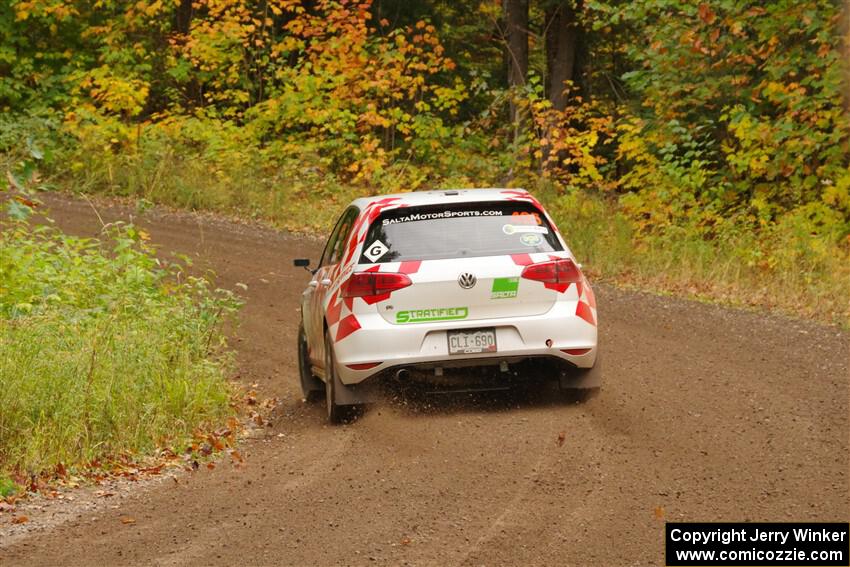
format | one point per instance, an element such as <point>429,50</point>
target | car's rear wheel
<point>337,413</point>
<point>312,388</point>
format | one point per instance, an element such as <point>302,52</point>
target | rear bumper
<point>415,344</point>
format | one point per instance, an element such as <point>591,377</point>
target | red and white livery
<point>426,282</point>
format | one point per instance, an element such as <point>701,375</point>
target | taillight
<point>363,366</point>
<point>374,286</point>
<point>560,272</point>
<point>576,351</point>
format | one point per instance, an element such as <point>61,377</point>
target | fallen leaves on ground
<point>236,457</point>
<point>20,520</point>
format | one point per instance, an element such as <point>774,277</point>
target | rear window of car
<point>465,230</point>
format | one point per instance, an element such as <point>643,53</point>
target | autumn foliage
<point>718,123</point>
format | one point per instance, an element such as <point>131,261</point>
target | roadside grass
<point>7,487</point>
<point>808,278</point>
<point>788,270</point>
<point>292,196</point>
<point>106,352</point>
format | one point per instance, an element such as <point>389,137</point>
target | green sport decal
<point>504,288</point>
<point>435,314</point>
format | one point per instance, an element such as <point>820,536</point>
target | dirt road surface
<point>708,414</point>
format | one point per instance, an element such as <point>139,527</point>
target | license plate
<point>472,341</point>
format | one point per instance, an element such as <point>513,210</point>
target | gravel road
<point>708,414</point>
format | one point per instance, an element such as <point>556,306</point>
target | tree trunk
<point>516,46</point>
<point>563,36</point>
<point>181,26</point>
<point>563,45</point>
<point>183,17</point>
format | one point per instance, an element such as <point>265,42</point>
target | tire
<point>337,413</point>
<point>312,389</point>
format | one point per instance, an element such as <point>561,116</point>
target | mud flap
<point>583,378</point>
<point>355,394</point>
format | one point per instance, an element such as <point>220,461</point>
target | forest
<point>698,148</point>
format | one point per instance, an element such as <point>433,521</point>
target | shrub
<point>105,350</point>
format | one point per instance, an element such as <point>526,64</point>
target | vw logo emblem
<point>466,280</point>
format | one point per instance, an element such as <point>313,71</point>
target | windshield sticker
<point>441,215</point>
<point>530,239</point>
<point>505,288</point>
<point>526,218</point>
<point>375,250</point>
<point>515,229</point>
<point>435,314</point>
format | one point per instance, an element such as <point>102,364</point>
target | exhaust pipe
<point>402,374</point>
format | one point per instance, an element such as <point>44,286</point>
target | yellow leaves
<point>737,29</point>
<point>280,6</point>
<point>286,44</point>
<point>43,8</point>
<point>631,142</point>
<point>296,26</point>
<point>113,93</point>
<point>758,164</point>
<point>153,8</point>
<point>783,93</point>
<point>774,87</point>
<point>568,139</point>
<point>837,193</point>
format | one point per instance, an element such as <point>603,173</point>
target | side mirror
<point>302,263</point>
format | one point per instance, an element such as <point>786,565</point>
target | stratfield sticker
<point>435,314</point>
<point>375,250</point>
<point>504,288</point>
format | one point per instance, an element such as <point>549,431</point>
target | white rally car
<point>427,282</point>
